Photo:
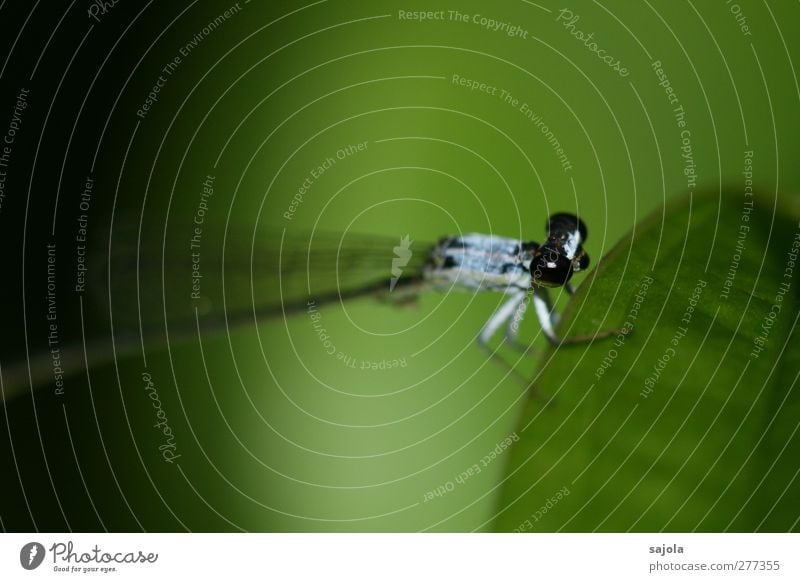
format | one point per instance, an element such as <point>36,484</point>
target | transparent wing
<point>153,279</point>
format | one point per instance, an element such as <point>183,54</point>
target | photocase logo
<point>31,555</point>
<point>402,254</point>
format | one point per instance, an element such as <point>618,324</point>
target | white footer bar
<point>389,557</point>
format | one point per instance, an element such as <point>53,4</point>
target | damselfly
<point>524,271</point>
<point>479,262</point>
<point>145,290</point>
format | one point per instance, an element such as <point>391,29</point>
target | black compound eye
<point>550,268</point>
<point>563,223</point>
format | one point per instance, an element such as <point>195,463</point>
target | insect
<point>264,278</point>
<point>520,269</point>
<point>524,271</point>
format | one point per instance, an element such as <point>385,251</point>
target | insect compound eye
<point>564,222</point>
<point>550,268</point>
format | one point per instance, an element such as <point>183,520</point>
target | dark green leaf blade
<point>690,421</point>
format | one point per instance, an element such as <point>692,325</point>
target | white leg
<point>548,319</point>
<point>514,323</point>
<point>544,311</point>
<point>500,317</point>
<point>506,311</point>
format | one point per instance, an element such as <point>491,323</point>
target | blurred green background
<point>274,433</point>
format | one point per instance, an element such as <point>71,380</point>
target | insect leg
<point>514,323</point>
<point>548,320</point>
<point>500,317</point>
<point>544,311</point>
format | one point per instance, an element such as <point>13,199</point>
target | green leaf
<point>690,421</point>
